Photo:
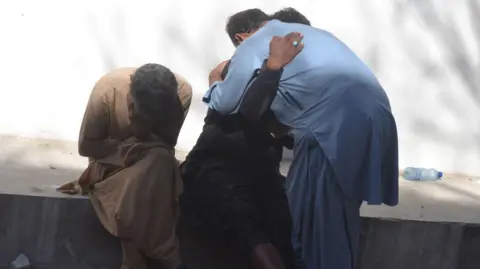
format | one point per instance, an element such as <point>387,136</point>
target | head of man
<point>154,106</point>
<point>242,25</point>
<point>290,15</point>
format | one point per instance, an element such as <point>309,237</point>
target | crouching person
<point>135,188</point>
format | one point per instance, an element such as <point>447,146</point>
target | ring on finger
<point>295,43</point>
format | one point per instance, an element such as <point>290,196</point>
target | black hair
<point>290,15</point>
<point>153,88</point>
<point>150,82</point>
<point>245,22</point>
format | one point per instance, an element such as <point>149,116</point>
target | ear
<point>239,38</point>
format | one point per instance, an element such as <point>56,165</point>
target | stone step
<point>63,232</point>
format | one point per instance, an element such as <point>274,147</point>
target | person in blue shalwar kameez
<point>346,146</point>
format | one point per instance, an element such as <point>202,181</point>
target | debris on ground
<point>21,262</point>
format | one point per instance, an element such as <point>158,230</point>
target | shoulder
<point>118,79</point>
<point>120,74</point>
<point>162,158</point>
<point>259,42</point>
<point>273,23</point>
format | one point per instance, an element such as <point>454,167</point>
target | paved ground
<point>36,167</point>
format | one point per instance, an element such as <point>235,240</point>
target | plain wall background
<point>425,53</point>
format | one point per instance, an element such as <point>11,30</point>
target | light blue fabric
<point>329,91</point>
<point>330,96</point>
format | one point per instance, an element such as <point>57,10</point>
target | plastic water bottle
<point>421,174</point>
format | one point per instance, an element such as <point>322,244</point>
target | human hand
<point>216,73</point>
<point>284,49</point>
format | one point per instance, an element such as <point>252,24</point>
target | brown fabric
<point>184,93</point>
<point>135,195</point>
<point>106,121</point>
<point>133,185</point>
<point>132,258</point>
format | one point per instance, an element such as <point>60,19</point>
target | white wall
<point>426,56</point>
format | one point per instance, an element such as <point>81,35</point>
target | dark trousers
<point>240,207</point>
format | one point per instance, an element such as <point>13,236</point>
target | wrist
<point>273,64</point>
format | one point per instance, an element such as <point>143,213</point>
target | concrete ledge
<point>401,244</point>
<point>59,232</point>
<point>435,226</point>
<point>54,233</point>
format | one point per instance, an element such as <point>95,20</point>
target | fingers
<point>299,48</point>
<point>284,49</point>
<point>294,36</point>
<point>276,39</point>
<point>295,39</point>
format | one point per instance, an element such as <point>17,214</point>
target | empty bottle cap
<point>440,174</point>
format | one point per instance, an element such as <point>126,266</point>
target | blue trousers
<point>326,223</point>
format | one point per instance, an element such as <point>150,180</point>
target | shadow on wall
<point>108,59</point>
<point>204,53</point>
<point>455,51</point>
<point>447,33</point>
<point>201,54</point>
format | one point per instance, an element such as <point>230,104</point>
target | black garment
<point>260,93</point>
<point>233,189</point>
<point>259,96</point>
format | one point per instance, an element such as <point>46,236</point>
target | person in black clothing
<point>233,190</point>
<point>234,197</point>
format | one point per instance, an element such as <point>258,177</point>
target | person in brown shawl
<point>105,122</point>
<point>129,132</point>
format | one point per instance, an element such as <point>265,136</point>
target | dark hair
<point>245,22</point>
<point>290,15</point>
<point>153,88</point>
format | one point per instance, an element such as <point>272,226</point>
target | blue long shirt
<point>329,92</point>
